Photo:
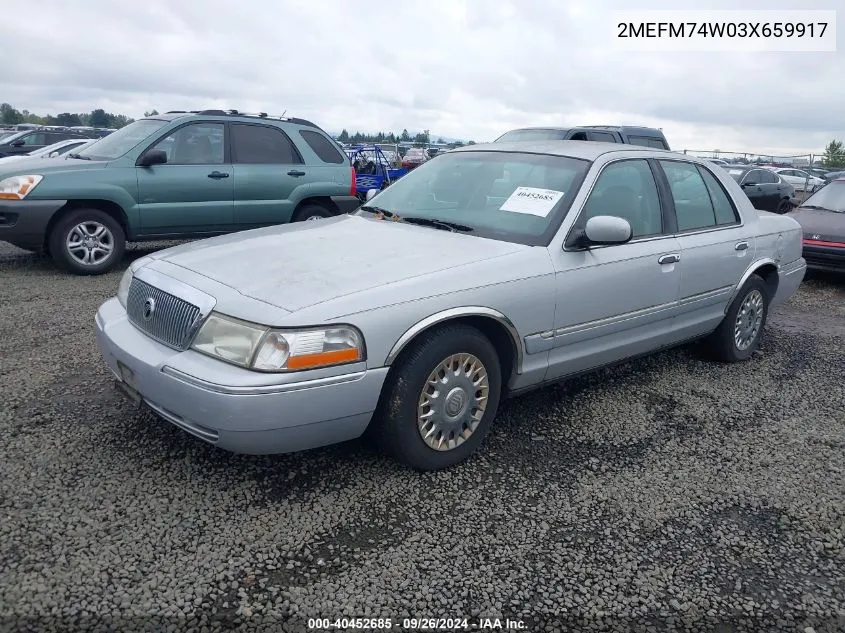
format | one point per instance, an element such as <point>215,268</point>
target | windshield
<point>830,197</point>
<point>533,135</point>
<point>63,146</point>
<point>121,141</point>
<point>509,196</point>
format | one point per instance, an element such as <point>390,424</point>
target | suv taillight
<point>353,188</point>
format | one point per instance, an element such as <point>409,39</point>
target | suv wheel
<point>310,212</point>
<point>87,242</point>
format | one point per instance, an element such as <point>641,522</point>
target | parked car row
<point>32,139</point>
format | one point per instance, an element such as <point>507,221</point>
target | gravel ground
<point>665,494</point>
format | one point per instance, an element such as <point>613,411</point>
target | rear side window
<point>604,137</point>
<point>693,207</point>
<point>722,205</point>
<point>322,147</point>
<point>262,145</point>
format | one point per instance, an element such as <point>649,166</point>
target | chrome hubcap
<point>452,402</point>
<point>748,320</point>
<point>89,243</point>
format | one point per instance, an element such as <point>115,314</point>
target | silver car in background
<point>487,271</point>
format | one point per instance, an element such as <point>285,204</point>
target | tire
<point>722,345</point>
<point>398,426</point>
<point>79,224</point>
<point>784,206</point>
<point>311,212</point>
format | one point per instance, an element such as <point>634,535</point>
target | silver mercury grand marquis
<point>485,272</point>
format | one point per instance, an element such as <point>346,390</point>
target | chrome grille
<point>172,319</point>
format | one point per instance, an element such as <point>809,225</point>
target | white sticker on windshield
<point>533,201</point>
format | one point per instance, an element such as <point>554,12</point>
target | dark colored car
<point>632,135</point>
<point>766,190</point>
<point>822,218</point>
<point>27,141</point>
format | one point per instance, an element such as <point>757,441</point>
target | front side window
<point>195,144</point>
<point>262,145</point>
<point>507,196</point>
<point>123,140</point>
<point>626,189</point>
<point>693,207</point>
<point>35,138</point>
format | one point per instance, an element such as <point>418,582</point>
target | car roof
<point>587,150</point>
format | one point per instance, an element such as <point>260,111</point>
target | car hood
<point>828,225</point>
<point>294,266</point>
<point>42,166</point>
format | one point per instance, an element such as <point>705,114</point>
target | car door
<point>716,247</point>
<point>752,185</point>
<point>31,142</point>
<point>268,170</point>
<point>613,302</point>
<point>193,191</point>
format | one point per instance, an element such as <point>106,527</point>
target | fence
<point>799,160</point>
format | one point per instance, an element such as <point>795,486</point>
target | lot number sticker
<point>533,201</point>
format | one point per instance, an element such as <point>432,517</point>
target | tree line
<point>834,154</point>
<point>98,117</point>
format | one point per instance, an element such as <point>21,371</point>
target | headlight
<point>264,349</point>
<point>123,287</point>
<point>18,187</point>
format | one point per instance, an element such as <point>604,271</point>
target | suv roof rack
<point>256,115</point>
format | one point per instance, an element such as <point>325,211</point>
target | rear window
<point>323,147</point>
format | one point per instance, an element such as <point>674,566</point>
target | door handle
<point>296,172</point>
<point>671,258</point>
<point>741,246</point>
<point>217,175</point>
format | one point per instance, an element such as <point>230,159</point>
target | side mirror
<point>53,154</point>
<point>371,193</point>
<point>603,230</point>
<point>17,143</point>
<point>152,157</point>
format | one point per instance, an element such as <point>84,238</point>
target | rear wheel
<point>784,206</point>
<point>87,242</point>
<point>738,336</point>
<point>310,212</point>
<point>441,399</point>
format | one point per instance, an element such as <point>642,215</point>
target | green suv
<point>173,176</point>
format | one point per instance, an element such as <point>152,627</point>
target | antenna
<point>283,113</point>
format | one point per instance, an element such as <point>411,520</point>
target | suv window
<point>627,189</point>
<point>323,147</point>
<point>604,137</point>
<point>647,141</point>
<point>693,207</point>
<point>722,205</point>
<point>194,144</point>
<point>262,145</point>
<point>35,138</point>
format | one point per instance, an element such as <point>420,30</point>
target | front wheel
<point>310,212</point>
<point>441,399</point>
<point>87,242</point>
<point>738,336</point>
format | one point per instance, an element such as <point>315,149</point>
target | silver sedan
<point>488,271</point>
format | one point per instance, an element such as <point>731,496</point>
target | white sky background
<point>469,69</point>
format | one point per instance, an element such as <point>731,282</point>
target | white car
<point>51,151</point>
<point>800,179</point>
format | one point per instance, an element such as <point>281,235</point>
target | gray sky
<point>468,69</point>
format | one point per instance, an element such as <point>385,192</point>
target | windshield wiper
<point>372,209</point>
<point>814,206</point>
<point>438,224</point>
<point>74,155</point>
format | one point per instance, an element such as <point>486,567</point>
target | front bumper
<point>825,258</point>
<point>24,222</point>
<point>234,408</point>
